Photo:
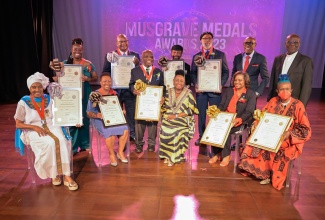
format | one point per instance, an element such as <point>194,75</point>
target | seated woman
<point>108,133</point>
<point>51,148</point>
<point>238,99</point>
<point>268,165</point>
<point>177,126</point>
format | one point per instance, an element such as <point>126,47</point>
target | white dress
<point>44,147</point>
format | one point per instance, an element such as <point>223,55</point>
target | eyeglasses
<point>122,41</point>
<point>249,43</point>
<point>207,38</point>
<point>293,42</point>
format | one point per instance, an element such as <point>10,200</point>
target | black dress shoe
<point>138,149</point>
<point>132,138</point>
<point>197,142</point>
<point>151,148</point>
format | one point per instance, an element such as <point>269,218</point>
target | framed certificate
<point>121,72</point>
<point>169,74</point>
<point>67,110</point>
<point>148,104</point>
<point>268,132</point>
<point>71,77</point>
<point>209,76</point>
<point>217,131</point>
<point>111,111</point>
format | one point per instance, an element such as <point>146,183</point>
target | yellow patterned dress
<point>175,134</point>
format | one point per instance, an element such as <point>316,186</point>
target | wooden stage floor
<point>148,189</point>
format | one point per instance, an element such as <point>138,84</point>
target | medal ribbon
<point>204,55</point>
<point>146,74</point>
<point>40,110</point>
<point>119,53</point>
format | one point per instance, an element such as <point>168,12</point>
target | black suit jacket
<point>300,74</point>
<point>107,65</point>
<point>256,67</point>
<point>156,80</point>
<point>217,55</point>
<point>244,110</point>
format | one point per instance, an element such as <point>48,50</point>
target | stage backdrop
<point>158,25</point>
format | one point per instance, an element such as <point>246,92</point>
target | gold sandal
<point>72,185</point>
<point>56,181</point>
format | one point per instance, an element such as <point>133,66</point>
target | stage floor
<point>145,188</point>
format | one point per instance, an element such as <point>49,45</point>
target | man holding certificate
<point>270,166</point>
<point>149,75</point>
<point>204,99</point>
<point>238,99</point>
<point>125,96</point>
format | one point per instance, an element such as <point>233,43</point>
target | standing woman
<point>177,126</point>
<point>80,135</point>
<point>238,99</point>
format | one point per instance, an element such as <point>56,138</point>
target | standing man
<point>254,64</point>
<point>125,95</point>
<point>204,99</point>
<point>298,67</point>
<point>176,53</point>
<point>151,76</point>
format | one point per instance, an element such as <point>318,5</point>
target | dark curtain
<point>26,45</point>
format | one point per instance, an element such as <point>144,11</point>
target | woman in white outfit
<point>48,142</point>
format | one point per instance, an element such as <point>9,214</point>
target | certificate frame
<point>268,132</point>
<point>148,104</point>
<point>111,111</point>
<point>169,74</point>
<point>218,129</point>
<point>209,76</point>
<point>67,110</point>
<point>72,76</point>
<point>121,72</point>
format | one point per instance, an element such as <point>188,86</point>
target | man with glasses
<point>298,67</point>
<point>204,99</point>
<point>126,97</point>
<point>254,64</point>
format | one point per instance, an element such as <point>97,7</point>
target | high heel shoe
<point>225,161</point>
<point>214,159</point>
<point>114,164</point>
<point>170,164</point>
<point>123,160</point>
<point>166,160</point>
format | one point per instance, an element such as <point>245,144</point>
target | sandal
<point>72,185</point>
<point>225,161</point>
<point>56,181</point>
<point>214,159</point>
<point>266,181</point>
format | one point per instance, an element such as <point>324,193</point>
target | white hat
<point>38,77</point>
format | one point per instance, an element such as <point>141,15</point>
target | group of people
<point>178,107</point>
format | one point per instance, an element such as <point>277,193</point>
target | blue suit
<point>126,97</point>
<point>256,67</point>
<point>204,99</point>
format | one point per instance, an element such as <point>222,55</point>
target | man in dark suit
<point>151,76</point>
<point>126,97</point>
<point>298,67</point>
<point>176,53</point>
<point>204,99</point>
<point>254,64</point>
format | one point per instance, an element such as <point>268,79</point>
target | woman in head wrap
<point>177,126</point>
<point>80,135</point>
<point>51,149</point>
<point>269,166</point>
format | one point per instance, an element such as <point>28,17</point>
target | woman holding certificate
<point>238,99</point>
<point>177,125</point>
<point>80,135</point>
<point>48,142</point>
<point>108,133</point>
<point>270,166</point>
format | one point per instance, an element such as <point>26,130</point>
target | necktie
<point>147,70</point>
<point>246,63</point>
<point>207,54</point>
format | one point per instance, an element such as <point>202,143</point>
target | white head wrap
<point>38,77</point>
